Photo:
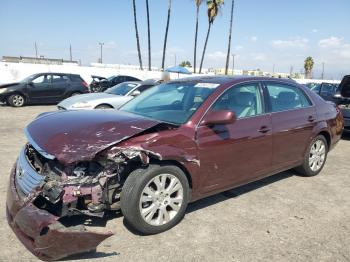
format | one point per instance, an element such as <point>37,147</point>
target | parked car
<point>114,80</point>
<point>173,144</point>
<point>113,97</point>
<point>95,85</point>
<point>338,94</point>
<point>43,88</point>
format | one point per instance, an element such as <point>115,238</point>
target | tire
<point>16,100</point>
<point>104,106</point>
<point>317,150</point>
<point>142,180</point>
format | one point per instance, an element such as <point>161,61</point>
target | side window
<point>285,97</point>
<point>244,100</point>
<point>59,79</point>
<point>43,79</point>
<point>328,89</point>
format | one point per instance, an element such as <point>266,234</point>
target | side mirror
<point>221,117</point>
<point>135,93</point>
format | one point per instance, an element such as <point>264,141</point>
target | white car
<point>112,98</point>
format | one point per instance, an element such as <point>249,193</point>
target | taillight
<point>85,84</point>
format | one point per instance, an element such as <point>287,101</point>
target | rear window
<point>76,78</point>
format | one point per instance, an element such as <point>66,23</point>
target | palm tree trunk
<point>137,35</point>
<point>229,41</point>
<point>166,34</point>
<point>205,47</point>
<point>195,43</point>
<point>149,37</point>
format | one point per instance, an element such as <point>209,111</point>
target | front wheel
<point>315,157</point>
<point>16,100</point>
<point>154,199</point>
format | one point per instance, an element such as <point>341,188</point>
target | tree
<point>308,65</point>
<point>229,40</point>
<point>185,64</point>
<point>198,4</point>
<point>166,33</point>
<point>149,37</point>
<point>213,10</point>
<point>137,35</point>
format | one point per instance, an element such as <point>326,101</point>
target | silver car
<point>113,97</point>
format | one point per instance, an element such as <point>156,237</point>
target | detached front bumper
<point>42,233</point>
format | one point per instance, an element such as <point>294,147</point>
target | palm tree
<point>308,65</point>
<point>149,37</point>
<point>137,35</point>
<point>213,10</point>
<point>229,40</point>
<point>166,33</point>
<point>198,4</point>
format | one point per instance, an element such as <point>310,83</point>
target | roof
<point>229,79</point>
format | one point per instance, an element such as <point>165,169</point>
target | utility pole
<point>233,63</point>
<point>101,44</point>
<point>322,76</point>
<point>273,69</point>
<point>36,50</point>
<point>70,52</point>
<point>291,71</point>
<point>175,60</point>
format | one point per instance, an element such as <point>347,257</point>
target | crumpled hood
<point>72,136</point>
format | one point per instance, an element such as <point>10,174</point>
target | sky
<point>266,34</point>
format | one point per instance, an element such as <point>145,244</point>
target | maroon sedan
<point>173,144</point>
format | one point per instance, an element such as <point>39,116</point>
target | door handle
<point>311,119</point>
<point>264,129</point>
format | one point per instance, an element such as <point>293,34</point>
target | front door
<point>236,153</point>
<point>39,87</point>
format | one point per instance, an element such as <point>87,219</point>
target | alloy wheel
<point>18,100</point>
<point>161,199</point>
<point>317,155</point>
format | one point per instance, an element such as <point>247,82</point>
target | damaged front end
<point>43,192</point>
<point>39,196</point>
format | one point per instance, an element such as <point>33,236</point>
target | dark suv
<point>43,88</point>
<point>115,80</point>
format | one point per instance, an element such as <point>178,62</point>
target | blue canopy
<point>178,69</point>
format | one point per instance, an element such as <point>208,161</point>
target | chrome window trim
<point>37,147</point>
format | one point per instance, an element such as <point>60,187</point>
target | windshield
<point>29,78</point>
<point>170,102</point>
<point>121,89</point>
<point>314,87</point>
<point>111,78</point>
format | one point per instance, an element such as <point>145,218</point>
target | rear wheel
<point>315,157</point>
<point>16,100</point>
<point>104,106</point>
<point>154,200</point>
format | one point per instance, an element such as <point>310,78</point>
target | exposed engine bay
<point>84,188</point>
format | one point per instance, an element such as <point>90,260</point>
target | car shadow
<point>90,255</point>
<point>236,192</point>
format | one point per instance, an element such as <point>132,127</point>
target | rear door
<point>293,118</point>
<point>236,153</point>
<point>59,85</point>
